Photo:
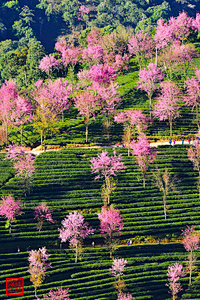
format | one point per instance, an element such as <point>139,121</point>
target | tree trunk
<point>25,76</point>
<point>150,106</point>
<point>36,292</point>
<point>41,136</point>
<point>190,274</point>
<point>76,258</point>
<point>62,116</point>
<point>111,246</point>
<point>128,150</point>
<point>170,124</point>
<point>108,188</point>
<point>86,133</point>
<point>144,182</point>
<point>6,134</point>
<point>164,200</point>
<point>9,228</point>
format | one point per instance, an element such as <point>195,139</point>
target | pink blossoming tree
<point>148,80</point>
<point>110,100</point>
<point>111,226</point>
<point>174,273</point>
<point>38,266</point>
<point>92,55</point>
<point>102,74</point>
<point>22,113</point>
<point>107,166</point>
<point>123,296</point>
<point>117,270</point>
<point>8,95</point>
<point>134,121</point>
<point>167,106</point>
<point>48,64</point>
<point>58,294</point>
<point>141,45</point>
<point>144,154</point>
<point>191,243</point>
<point>42,213</point>
<point>9,208</point>
<point>192,97</point>
<point>74,229</point>
<point>88,104</point>
<point>23,163</point>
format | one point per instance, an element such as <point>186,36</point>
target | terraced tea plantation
<point>63,179</point>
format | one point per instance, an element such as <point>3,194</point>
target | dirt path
<point>36,151</point>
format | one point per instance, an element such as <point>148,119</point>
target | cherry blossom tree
<point>23,163</point>
<point>88,104</point>
<point>82,14</point>
<point>111,226</point>
<point>92,55</point>
<point>134,121</point>
<point>8,95</point>
<point>38,266</point>
<point>22,113</point>
<point>165,183</point>
<point>107,166</point>
<point>117,270</point>
<point>9,208</point>
<point>48,64</point>
<point>167,106</point>
<point>123,296</point>
<point>59,94</point>
<point>177,28</point>
<point>51,99</point>
<point>192,97</point>
<point>177,57</point>
<point>144,154</point>
<point>118,62</point>
<point>191,243</point>
<point>110,100</point>
<point>102,74</point>
<point>58,294</point>
<point>194,157</point>
<point>42,213</point>
<point>141,45</point>
<point>174,273</point>
<point>74,229</point>
<point>148,80</point>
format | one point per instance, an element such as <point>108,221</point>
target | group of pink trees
<point>15,110</point>
<point>52,99</point>
<point>190,241</point>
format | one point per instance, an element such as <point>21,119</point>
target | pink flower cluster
<point>9,207</point>
<point>48,63</point>
<point>174,273</point>
<point>74,228</point>
<point>123,296</point>
<point>118,267</point>
<point>190,239</point>
<point>59,294</point>
<point>42,212</point>
<point>106,165</point>
<point>23,162</point>
<point>111,221</point>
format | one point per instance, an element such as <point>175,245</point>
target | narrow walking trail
<point>37,151</point>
